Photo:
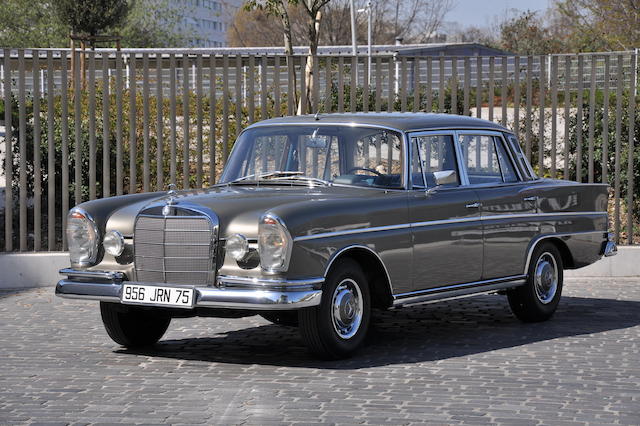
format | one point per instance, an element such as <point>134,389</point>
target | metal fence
<point>131,121</point>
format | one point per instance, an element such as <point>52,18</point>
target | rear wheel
<point>131,326</point>
<point>286,318</point>
<point>337,327</point>
<point>538,299</point>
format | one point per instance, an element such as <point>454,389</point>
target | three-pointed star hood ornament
<point>172,193</point>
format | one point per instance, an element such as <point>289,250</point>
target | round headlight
<point>113,243</point>
<point>237,246</point>
<point>274,244</point>
<point>82,238</point>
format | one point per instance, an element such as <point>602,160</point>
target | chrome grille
<point>179,248</point>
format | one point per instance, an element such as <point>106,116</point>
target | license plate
<point>177,297</point>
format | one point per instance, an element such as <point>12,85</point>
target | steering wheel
<point>353,169</point>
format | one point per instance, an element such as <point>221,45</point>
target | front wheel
<point>538,299</point>
<point>133,327</point>
<point>337,327</point>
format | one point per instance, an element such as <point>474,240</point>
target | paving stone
<point>460,362</point>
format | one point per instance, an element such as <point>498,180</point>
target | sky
<point>481,13</point>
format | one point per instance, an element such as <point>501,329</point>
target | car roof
<point>405,121</point>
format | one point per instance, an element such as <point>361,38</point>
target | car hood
<point>238,207</point>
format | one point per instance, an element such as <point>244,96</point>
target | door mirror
<point>445,177</point>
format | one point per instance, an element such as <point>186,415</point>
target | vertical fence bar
<point>315,92</point>
<point>186,97</point>
<point>605,120</point>
<point>528,120</point>
<point>159,125</point>
<point>303,85</point>
<point>92,125</point>
<point>479,86</point>
<point>340,84</point>
<point>416,84</point>
<point>491,86</point>
<point>592,112</point>
<point>8,159</point>
<point>579,119</point>
<point>365,87</point>
<point>64,135</point>
<point>631,161</point>
<point>454,85</point>
<point>553,78</point>
<point>172,120</point>
<point>22,141</point>
<point>353,84</point>
<point>441,82</point>
<point>251,75</point>
<point>277,110</point>
<point>225,108</point>
<point>119,114</point>
<point>516,95</point>
<point>503,92</point>
<point>429,101</point>
<point>403,84</point>
<point>106,154</point>
<point>77,119</point>
<point>199,119</point>
<point>467,85</point>
<point>328,102</point>
<point>392,95</point>
<point>291,86</point>
<point>51,155</point>
<point>133,148</point>
<point>263,87</point>
<point>567,112</point>
<point>542,103</point>
<point>37,154</point>
<point>617,166</point>
<point>146,169</point>
<point>238,85</point>
<point>212,117</point>
<point>378,84</point>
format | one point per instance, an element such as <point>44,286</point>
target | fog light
<point>113,243</point>
<point>237,246</point>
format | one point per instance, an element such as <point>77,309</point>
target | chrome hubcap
<point>346,308</point>
<point>546,278</point>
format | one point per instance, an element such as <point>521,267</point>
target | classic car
<point>319,219</point>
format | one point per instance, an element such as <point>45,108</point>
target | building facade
<point>207,21</point>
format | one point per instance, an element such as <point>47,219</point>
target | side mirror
<point>445,177</point>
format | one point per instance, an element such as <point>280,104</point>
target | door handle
<point>533,198</point>
<point>473,205</point>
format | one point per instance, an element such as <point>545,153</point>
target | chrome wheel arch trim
<point>534,243</point>
<point>341,251</point>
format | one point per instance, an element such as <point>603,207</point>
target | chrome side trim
<point>456,291</point>
<point>335,255</point>
<point>441,222</point>
<point>538,239</point>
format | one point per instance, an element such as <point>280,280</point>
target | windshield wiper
<point>276,173</point>
<point>317,181</point>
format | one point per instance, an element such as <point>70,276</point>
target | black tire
<point>285,318</point>
<point>317,324</point>
<point>133,327</point>
<point>532,302</point>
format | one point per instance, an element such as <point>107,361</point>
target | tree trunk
<point>288,50</point>
<point>311,79</point>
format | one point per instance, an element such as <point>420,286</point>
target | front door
<point>445,219</point>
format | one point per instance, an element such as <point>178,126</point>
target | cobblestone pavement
<point>467,361</point>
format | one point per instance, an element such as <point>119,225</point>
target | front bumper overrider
<point>230,292</point>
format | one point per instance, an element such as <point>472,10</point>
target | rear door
<point>508,203</point>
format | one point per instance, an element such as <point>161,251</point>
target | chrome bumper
<point>255,294</point>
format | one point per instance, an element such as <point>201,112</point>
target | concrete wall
<point>24,270</point>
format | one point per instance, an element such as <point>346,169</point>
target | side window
<point>509,173</point>
<point>525,167</point>
<point>486,160</point>
<point>432,153</point>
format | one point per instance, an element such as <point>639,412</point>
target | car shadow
<point>424,333</point>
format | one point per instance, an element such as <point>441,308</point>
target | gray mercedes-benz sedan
<point>319,219</point>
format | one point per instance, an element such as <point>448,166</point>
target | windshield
<point>338,154</point>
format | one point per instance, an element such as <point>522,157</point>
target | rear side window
<point>525,167</point>
<point>486,160</point>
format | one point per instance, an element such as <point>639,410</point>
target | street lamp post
<point>368,12</point>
